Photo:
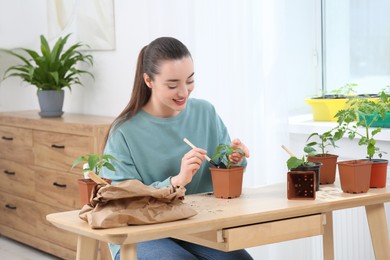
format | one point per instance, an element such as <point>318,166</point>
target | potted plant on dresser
<point>92,163</point>
<point>322,155</point>
<point>227,182</point>
<point>357,121</point>
<point>50,71</point>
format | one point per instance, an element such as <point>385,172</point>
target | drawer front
<point>17,179</point>
<point>272,232</point>
<point>45,230</point>
<point>235,238</point>
<point>58,151</point>
<point>16,144</point>
<point>57,188</point>
<point>17,213</point>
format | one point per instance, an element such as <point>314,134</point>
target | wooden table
<point>260,216</point>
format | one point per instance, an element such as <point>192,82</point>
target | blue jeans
<point>172,249</point>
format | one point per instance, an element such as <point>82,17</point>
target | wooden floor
<point>11,249</point>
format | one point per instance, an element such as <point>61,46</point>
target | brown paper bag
<point>133,203</point>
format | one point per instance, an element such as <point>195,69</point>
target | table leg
<point>129,252</point>
<point>86,248</point>
<point>327,237</point>
<point>376,217</point>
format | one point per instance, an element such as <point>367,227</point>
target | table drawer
<point>235,238</point>
<point>272,232</point>
<point>16,144</point>
<point>57,188</point>
<point>17,213</point>
<point>17,179</point>
<point>58,151</point>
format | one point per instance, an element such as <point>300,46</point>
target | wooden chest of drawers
<point>35,177</point>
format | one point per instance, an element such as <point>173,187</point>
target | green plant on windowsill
<point>363,112</point>
<point>348,90</point>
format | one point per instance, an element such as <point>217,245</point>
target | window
<point>356,44</point>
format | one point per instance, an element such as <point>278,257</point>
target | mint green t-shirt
<point>151,148</point>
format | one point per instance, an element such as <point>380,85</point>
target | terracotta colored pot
<point>86,187</point>
<point>301,185</point>
<point>315,168</point>
<point>378,173</point>
<point>328,168</point>
<point>355,175</point>
<point>227,183</point>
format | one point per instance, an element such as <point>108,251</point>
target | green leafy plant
<point>363,112</point>
<point>96,162</point>
<point>346,90</point>
<point>223,152</point>
<point>294,162</point>
<point>52,69</point>
<point>326,139</point>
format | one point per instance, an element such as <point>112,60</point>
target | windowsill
<point>304,124</point>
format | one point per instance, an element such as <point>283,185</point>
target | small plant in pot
<point>227,182</point>
<point>356,121</point>
<point>296,164</point>
<point>50,71</point>
<point>317,152</point>
<point>92,163</point>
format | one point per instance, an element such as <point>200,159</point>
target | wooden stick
<point>288,151</point>
<point>96,178</point>
<point>193,147</point>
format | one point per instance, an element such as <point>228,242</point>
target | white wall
<point>139,22</point>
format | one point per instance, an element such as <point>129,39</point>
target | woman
<point>148,138</point>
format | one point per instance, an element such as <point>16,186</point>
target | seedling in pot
<point>219,165</point>
<point>294,162</point>
<point>223,152</point>
<point>96,162</point>
<point>364,112</point>
<point>325,139</point>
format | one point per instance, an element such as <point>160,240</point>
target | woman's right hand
<point>190,164</point>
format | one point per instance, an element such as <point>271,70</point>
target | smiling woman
<point>173,83</point>
<point>147,137</point>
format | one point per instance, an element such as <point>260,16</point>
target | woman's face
<point>171,88</point>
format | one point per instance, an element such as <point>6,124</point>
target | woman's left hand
<point>237,157</point>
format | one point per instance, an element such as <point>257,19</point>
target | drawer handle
<point>58,146</point>
<point>9,173</point>
<point>59,185</point>
<point>7,138</point>
<point>10,206</point>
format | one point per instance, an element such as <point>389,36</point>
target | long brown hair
<point>149,60</point>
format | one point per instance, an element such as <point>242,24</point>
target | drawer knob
<point>9,173</point>
<point>7,138</point>
<point>58,146</point>
<point>10,206</point>
<point>59,185</point>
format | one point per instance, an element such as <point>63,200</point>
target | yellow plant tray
<point>326,109</point>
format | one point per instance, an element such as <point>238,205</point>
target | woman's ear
<point>148,80</point>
